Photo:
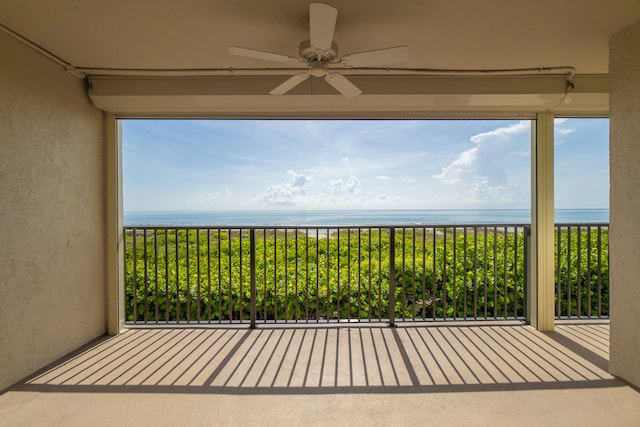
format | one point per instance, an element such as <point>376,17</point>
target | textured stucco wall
<point>51,213</point>
<point>624,251</point>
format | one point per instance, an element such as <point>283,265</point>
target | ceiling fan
<point>320,50</point>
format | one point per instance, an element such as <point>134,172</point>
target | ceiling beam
<point>247,96</point>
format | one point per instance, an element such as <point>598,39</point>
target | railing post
<point>392,277</point>
<point>252,278</point>
<point>527,268</point>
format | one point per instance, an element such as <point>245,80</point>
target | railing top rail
<point>582,224</point>
<point>320,227</point>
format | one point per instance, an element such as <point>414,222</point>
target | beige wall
<point>51,213</point>
<point>625,204</point>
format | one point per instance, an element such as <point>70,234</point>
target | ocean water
<point>356,217</point>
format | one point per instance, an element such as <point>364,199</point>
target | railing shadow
<point>591,343</point>
<point>323,360</point>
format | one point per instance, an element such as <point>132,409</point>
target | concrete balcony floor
<point>437,374</point>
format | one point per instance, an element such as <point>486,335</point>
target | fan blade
<point>376,57</point>
<point>290,83</point>
<point>258,54</point>
<point>343,85</point>
<point>322,23</point>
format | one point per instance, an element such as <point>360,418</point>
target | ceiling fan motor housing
<point>312,54</point>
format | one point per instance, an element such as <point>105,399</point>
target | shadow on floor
<point>282,360</point>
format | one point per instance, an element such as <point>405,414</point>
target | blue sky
<point>171,165</point>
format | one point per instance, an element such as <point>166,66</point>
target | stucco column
<point>114,223</point>
<point>540,307</point>
<point>624,240</point>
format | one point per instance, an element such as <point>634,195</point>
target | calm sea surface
<point>358,217</point>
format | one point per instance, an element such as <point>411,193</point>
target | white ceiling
<point>451,34</point>
<point>440,34</point>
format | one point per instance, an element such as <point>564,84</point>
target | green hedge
<point>203,275</point>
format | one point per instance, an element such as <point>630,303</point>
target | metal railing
<point>325,274</point>
<point>582,270</point>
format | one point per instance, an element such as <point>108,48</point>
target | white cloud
<point>482,190</point>
<point>288,193</point>
<point>218,194</point>
<point>503,132</point>
<point>486,172</point>
<point>455,171</point>
<point>404,180</point>
<point>564,132</point>
<point>211,199</point>
<point>336,185</point>
<point>299,180</point>
<point>352,187</point>
<point>282,194</point>
<point>561,130</point>
<point>352,193</point>
<point>339,187</point>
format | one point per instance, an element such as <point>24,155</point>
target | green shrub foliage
<point>582,271</point>
<point>205,275</point>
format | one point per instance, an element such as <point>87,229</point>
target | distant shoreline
<point>328,218</point>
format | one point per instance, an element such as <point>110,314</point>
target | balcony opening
<point>581,193</point>
<point>291,221</point>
